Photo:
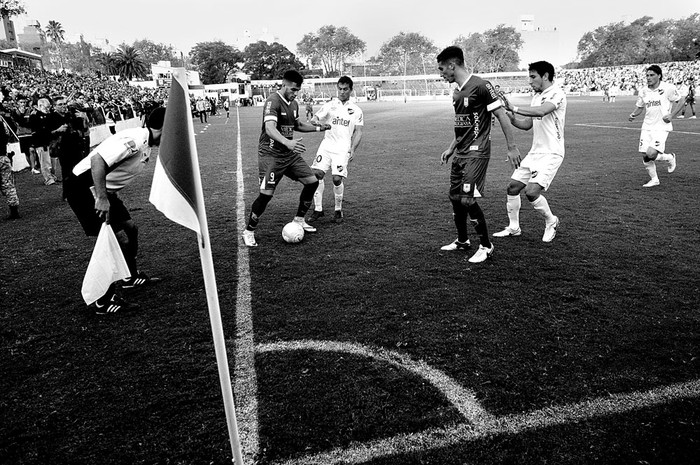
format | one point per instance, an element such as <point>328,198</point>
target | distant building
<point>8,31</point>
<point>539,43</point>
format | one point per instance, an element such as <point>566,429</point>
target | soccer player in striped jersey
<point>662,102</point>
<point>545,116</point>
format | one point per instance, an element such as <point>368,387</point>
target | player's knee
<point>647,159</point>
<point>650,155</point>
<point>514,188</point>
<point>337,180</point>
<point>319,174</point>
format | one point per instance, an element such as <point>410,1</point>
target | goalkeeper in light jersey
<point>338,146</point>
<point>662,102</point>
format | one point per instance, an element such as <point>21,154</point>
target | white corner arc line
<point>462,399</point>
<point>486,424</point>
<point>245,379</point>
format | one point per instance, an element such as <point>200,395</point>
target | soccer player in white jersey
<point>662,102</point>
<point>338,146</point>
<point>545,116</point>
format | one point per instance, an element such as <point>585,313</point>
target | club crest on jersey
<point>534,174</point>
<point>466,102</point>
<point>350,111</point>
<point>466,187</point>
<point>339,168</point>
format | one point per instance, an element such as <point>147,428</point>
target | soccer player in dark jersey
<point>474,101</point>
<point>279,154</point>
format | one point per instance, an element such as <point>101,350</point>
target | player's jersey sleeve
<point>360,117</point>
<point>324,112</point>
<point>492,100</point>
<point>272,109</point>
<point>640,98</point>
<point>672,93</point>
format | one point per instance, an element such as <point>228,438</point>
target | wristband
<point>515,110</point>
<point>318,128</point>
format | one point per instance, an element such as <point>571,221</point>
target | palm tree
<point>108,63</point>
<point>129,63</point>
<point>55,32</point>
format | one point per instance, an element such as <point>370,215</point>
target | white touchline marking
<point>245,379</point>
<point>632,129</point>
<point>480,424</point>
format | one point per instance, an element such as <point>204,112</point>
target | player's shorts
<point>468,177</point>
<point>82,202</point>
<point>337,162</point>
<point>271,169</point>
<point>538,168</point>
<point>652,139</point>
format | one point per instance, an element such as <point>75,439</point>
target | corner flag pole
<point>177,192</point>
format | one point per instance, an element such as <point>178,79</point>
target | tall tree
<point>55,32</point>
<point>269,61</point>
<point>107,63</point>
<point>408,53</point>
<point>9,8</point>
<point>129,63</point>
<point>152,52</point>
<point>330,47</point>
<point>216,61</point>
<point>686,40</point>
<point>496,50</point>
<point>475,51</point>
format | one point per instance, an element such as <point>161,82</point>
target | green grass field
<point>366,343</point>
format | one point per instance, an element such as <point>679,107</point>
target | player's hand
<point>506,103</point>
<point>514,158</point>
<point>296,146</point>
<point>632,117</point>
<point>667,118</point>
<point>445,156</point>
<point>102,209</point>
<point>326,127</point>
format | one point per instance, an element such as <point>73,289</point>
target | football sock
<point>318,196</point>
<point>651,169</point>
<point>460,215</point>
<point>256,210</point>
<point>479,222</point>
<point>513,209</point>
<point>338,193</point>
<point>663,157</point>
<point>542,207</point>
<point>305,198</point>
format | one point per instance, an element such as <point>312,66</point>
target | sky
<point>183,24</point>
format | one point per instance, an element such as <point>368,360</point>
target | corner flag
<point>176,189</point>
<point>177,192</point>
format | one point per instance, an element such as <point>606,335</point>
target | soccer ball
<point>292,232</point>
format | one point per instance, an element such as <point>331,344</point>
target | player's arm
<point>535,112</point>
<point>513,152</point>
<point>676,107</point>
<point>303,126</point>
<point>294,145</point>
<point>637,111</point>
<point>98,169</point>
<point>448,153</point>
<point>521,123</point>
<point>355,142</point>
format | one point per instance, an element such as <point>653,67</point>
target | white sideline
<point>245,378</point>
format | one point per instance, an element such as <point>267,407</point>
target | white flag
<point>106,266</point>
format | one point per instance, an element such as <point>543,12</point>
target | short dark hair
<point>656,69</point>
<point>541,67</point>
<point>346,80</point>
<point>293,76</point>
<point>452,53</point>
